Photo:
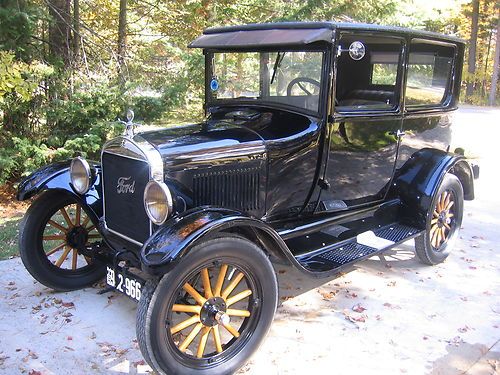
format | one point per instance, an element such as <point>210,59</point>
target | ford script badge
<point>125,185</point>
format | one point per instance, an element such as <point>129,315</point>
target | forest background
<point>70,68</point>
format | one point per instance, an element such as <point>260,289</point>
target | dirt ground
<point>391,315</point>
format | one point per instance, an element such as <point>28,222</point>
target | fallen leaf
<point>463,329</point>
<point>391,283</point>
<point>138,363</point>
<point>391,306</point>
<point>327,295</point>
<point>93,336</point>
<point>281,271</point>
<point>68,304</point>
<point>34,372</point>
<point>358,308</point>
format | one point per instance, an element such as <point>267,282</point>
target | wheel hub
<point>213,312</point>
<point>77,237</point>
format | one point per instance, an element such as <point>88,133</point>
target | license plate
<point>126,284</point>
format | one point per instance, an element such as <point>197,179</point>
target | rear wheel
<point>443,222</point>
<point>211,312</point>
<point>52,230</point>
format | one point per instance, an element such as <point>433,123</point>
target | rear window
<point>429,73</point>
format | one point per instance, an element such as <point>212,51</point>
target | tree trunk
<point>472,48</point>
<point>60,30</point>
<point>76,31</point>
<point>122,39</point>
<point>494,77</point>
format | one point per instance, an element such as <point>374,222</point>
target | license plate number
<point>127,285</point>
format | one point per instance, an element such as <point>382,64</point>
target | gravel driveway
<point>390,316</point>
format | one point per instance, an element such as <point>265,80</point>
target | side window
<point>369,83</point>
<point>429,72</point>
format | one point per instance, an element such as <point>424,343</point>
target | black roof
<point>298,32</point>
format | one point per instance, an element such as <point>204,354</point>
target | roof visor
<point>262,38</point>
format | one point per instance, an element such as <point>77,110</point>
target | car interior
<point>371,81</point>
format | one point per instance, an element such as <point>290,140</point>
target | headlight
<point>157,201</point>
<point>80,175</point>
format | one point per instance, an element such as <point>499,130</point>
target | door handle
<point>397,133</point>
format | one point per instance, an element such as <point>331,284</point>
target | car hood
<point>205,141</point>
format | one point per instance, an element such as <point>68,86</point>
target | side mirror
<point>357,50</point>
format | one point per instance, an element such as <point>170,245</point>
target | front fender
<point>418,180</point>
<point>56,176</point>
<point>170,243</point>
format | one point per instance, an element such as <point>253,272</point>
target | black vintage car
<point>324,144</point>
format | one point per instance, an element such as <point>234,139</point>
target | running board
<point>364,245</point>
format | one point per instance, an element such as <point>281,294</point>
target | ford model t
<point>324,144</point>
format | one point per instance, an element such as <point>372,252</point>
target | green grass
<point>9,231</point>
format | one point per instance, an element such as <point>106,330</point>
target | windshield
<point>288,77</point>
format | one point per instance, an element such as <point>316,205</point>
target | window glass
<point>286,77</point>
<point>429,71</point>
<point>371,82</point>
<point>384,74</point>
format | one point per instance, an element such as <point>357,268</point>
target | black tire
<point>34,256</point>
<point>430,249</point>
<point>236,256</point>
<point>147,292</point>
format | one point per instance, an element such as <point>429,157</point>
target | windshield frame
<point>211,102</point>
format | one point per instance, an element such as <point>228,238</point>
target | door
<point>365,131</point>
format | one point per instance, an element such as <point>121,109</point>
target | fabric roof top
<point>262,38</point>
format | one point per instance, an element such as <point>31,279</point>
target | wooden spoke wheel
<point>211,311</point>
<point>442,219</point>
<point>443,222</point>
<point>69,229</point>
<point>52,233</point>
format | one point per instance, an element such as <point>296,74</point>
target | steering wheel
<point>299,82</point>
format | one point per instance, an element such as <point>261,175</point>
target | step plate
<point>349,251</point>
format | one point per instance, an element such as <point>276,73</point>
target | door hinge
<point>323,184</point>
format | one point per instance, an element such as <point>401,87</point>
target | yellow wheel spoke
<point>91,228</point>
<point>58,226</point>
<point>85,222</point>
<point>197,296</point>
<point>446,200</point>
<point>195,309</point>
<point>66,217</point>
<point>55,249</point>
<point>217,340</point>
<point>74,261</point>
<point>190,337</point>
<point>438,238</point>
<point>232,285</point>
<point>449,205</point>
<point>238,297</point>
<point>94,236</point>
<point>63,257</point>
<point>231,330</point>
<point>233,312</point>
<point>447,226</point>
<point>435,213</point>
<point>54,237</point>
<point>434,221</point>
<point>78,214</point>
<point>186,323</point>
<point>205,277</point>
<point>203,342</point>
<point>450,215</point>
<point>220,280</point>
<point>434,236</point>
<point>443,234</point>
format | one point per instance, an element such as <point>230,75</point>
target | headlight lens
<point>157,201</point>
<point>80,175</point>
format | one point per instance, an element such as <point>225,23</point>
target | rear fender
<point>56,177</point>
<point>418,180</point>
<point>169,244</point>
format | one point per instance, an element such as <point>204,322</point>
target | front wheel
<point>51,232</point>
<point>443,222</point>
<point>211,312</point>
